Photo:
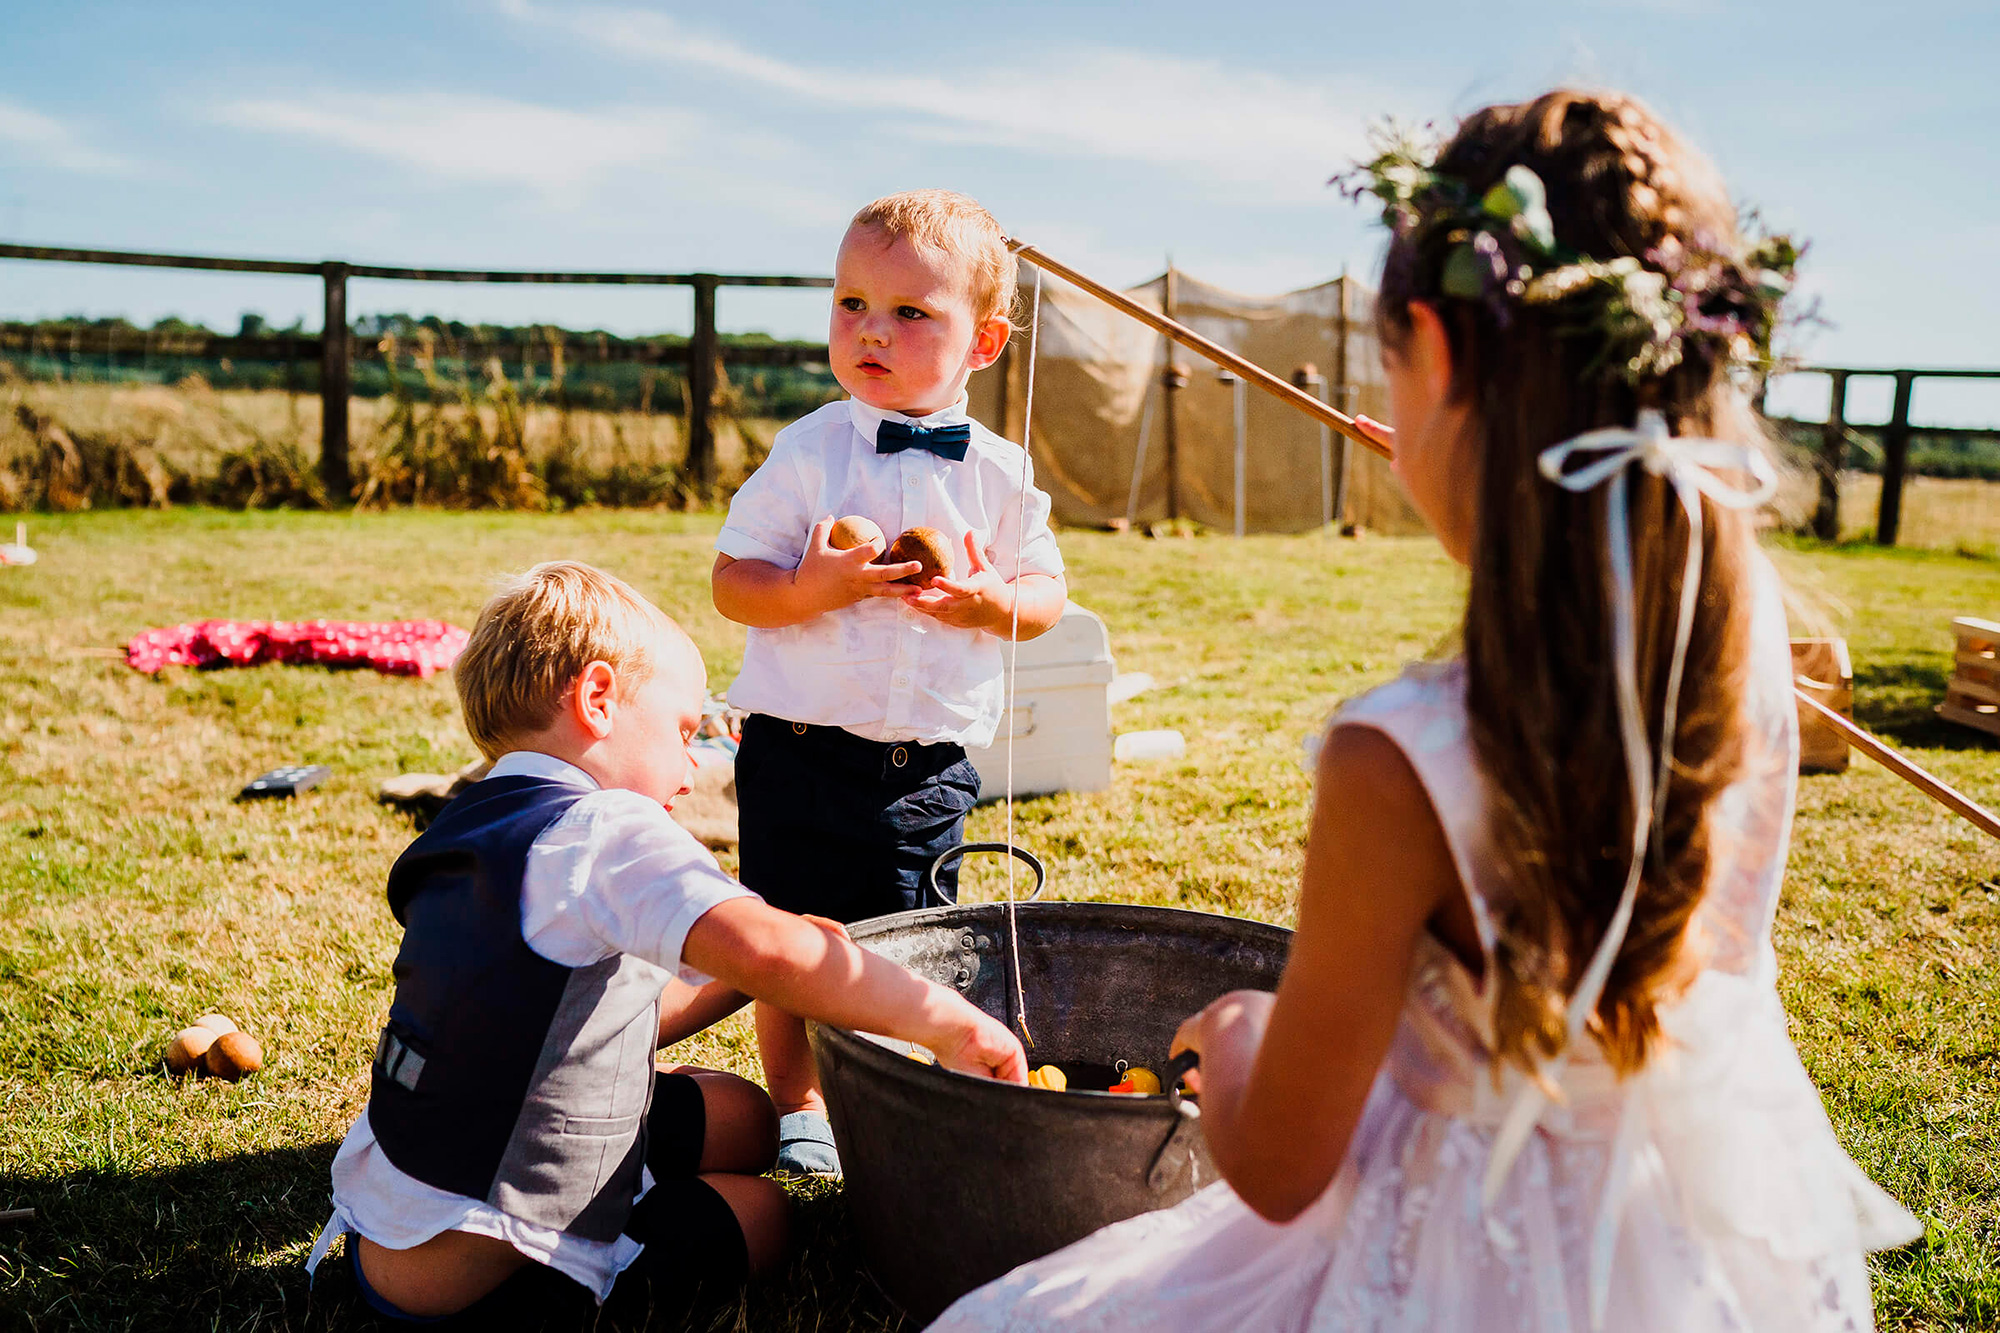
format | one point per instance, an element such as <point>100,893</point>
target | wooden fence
<point>1832,457</point>
<point>702,354</point>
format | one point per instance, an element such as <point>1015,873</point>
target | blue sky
<point>536,133</point>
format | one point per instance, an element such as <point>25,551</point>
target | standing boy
<point>863,690</point>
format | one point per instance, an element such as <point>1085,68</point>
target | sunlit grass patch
<point>136,894</point>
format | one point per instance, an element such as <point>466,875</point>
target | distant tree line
<point>598,370</point>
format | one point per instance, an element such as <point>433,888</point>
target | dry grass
<point>1939,513</point>
<point>134,894</point>
<point>260,448</point>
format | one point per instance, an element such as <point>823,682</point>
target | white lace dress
<point>1706,1193</point>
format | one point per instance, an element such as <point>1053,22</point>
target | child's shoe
<point>805,1146</point>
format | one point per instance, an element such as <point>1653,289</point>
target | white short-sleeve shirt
<point>613,874</point>
<point>878,668</point>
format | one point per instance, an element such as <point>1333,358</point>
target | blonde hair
<point>539,632</point>
<point>946,222</point>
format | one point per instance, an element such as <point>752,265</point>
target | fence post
<point>1895,454</point>
<point>1345,395</point>
<point>703,352</point>
<point>1307,377</point>
<point>1172,379</point>
<point>1832,457</point>
<point>1237,389</point>
<point>334,383</point>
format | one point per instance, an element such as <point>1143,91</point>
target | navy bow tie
<point>947,442</point>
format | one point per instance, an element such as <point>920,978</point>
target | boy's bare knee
<point>764,1213</point>
<point>742,1124</point>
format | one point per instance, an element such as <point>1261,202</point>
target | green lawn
<point>134,894</point>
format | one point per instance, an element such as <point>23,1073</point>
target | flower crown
<point>1503,252</point>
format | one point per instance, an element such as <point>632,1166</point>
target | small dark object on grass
<point>17,1214</point>
<point>289,781</point>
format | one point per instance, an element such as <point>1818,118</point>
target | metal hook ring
<point>1022,853</point>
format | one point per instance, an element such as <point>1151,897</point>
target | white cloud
<point>56,143</point>
<point>639,156</point>
<point>1232,126</point>
<point>556,153</point>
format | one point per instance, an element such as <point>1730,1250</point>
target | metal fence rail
<point>702,354</point>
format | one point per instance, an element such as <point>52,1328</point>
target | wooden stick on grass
<point>1188,338</point>
<point>1938,790</point>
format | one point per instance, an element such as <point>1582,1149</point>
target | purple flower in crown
<point>1479,269</point>
<point>1708,296</point>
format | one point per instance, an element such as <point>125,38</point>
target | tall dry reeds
<point>456,446</point>
<point>449,434</point>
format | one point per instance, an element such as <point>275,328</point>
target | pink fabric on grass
<point>398,647</point>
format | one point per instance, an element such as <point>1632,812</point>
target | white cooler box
<point>1061,719</point>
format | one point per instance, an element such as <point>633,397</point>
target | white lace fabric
<point>1712,1176</point>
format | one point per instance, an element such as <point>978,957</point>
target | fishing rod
<point>1215,352</point>
<point>1936,788</point>
<point>1941,792</point>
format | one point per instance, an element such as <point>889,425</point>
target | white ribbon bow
<point>1601,456</point>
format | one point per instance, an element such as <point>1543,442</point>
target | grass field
<point>134,894</point>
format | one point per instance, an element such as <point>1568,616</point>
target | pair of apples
<point>214,1045</point>
<point>927,546</point>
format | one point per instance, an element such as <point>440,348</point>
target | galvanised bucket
<point>952,1180</point>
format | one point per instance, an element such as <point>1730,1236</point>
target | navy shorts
<point>844,827</point>
<point>694,1244</point>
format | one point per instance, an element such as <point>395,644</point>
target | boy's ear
<point>988,342</point>
<point>591,698</point>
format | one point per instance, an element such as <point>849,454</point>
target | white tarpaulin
<point>1102,409</point>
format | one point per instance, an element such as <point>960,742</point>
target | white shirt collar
<point>867,419</point>
<point>535,764</point>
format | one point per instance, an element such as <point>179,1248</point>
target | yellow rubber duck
<point>1049,1077</point>
<point>1143,1081</point>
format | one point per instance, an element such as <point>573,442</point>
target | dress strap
<point>1423,713</point>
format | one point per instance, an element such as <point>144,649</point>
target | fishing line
<point>1014,656</point>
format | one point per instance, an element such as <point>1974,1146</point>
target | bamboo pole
<point>1937,790</point>
<point>1941,792</point>
<point>1194,342</point>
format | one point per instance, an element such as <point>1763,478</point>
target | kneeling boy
<point>518,1145</point>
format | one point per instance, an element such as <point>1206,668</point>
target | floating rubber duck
<point>1139,1081</point>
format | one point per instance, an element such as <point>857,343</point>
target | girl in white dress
<point>1527,1068</point>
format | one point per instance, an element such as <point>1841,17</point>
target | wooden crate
<point>1822,669</point>
<point>1973,695</point>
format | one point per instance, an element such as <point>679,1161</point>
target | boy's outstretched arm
<point>767,596</point>
<point>817,973</point>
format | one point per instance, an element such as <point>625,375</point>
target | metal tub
<point>952,1180</point>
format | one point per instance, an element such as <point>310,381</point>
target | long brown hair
<point>1540,692</point>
